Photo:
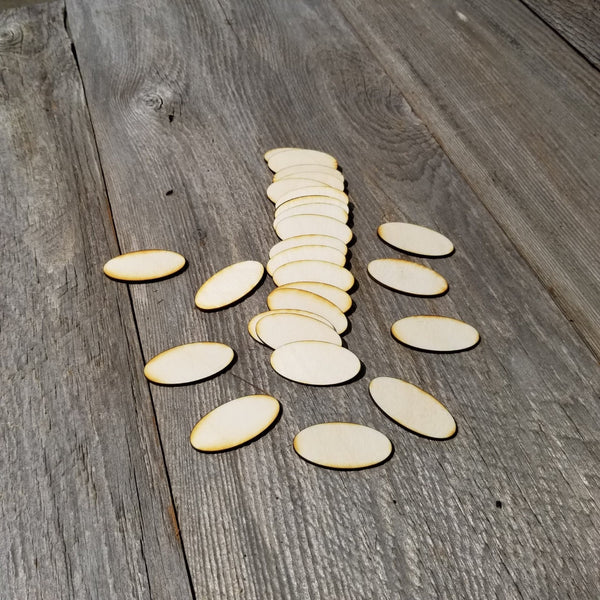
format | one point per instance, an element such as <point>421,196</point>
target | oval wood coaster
<point>436,334</point>
<point>342,445</point>
<point>298,170</point>
<point>324,253</point>
<point>144,265</point>
<point>313,190</point>
<point>300,156</point>
<point>317,208</point>
<point>278,329</point>
<point>234,423</point>
<point>415,239</point>
<point>279,188</point>
<point>314,270</point>
<point>332,178</point>
<point>336,296</point>
<point>306,224</point>
<point>407,276</point>
<point>311,239</point>
<point>256,318</point>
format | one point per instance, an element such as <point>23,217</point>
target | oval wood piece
<point>316,179</point>
<point>336,296</point>
<point>303,200</point>
<point>315,363</point>
<point>342,445</point>
<point>306,224</point>
<point>314,270</point>
<point>278,329</point>
<point>407,276</point>
<point>412,407</point>
<point>144,265</point>
<point>295,311</point>
<point>415,239</point>
<point>188,363</point>
<point>317,208</point>
<point>313,190</point>
<point>324,253</point>
<point>287,298</point>
<point>278,189</point>
<point>234,423</point>
<point>294,171</point>
<point>300,156</point>
<point>311,239</point>
<point>269,153</point>
<point>436,334</point>
<point>229,285</point>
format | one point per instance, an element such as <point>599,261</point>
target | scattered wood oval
<point>306,224</point>
<point>317,208</point>
<point>311,239</point>
<point>313,190</point>
<point>435,334</point>
<point>407,276</point>
<point>415,239</point>
<point>342,445</point>
<point>188,363</point>
<point>290,298</point>
<point>412,407</point>
<point>144,265</point>
<point>278,329</point>
<point>300,156</point>
<point>311,172</point>
<point>234,423</point>
<point>315,363</point>
<point>324,253</point>
<point>336,296</point>
<point>314,270</point>
<point>229,285</point>
<point>279,188</point>
<point>303,200</point>
<point>256,318</point>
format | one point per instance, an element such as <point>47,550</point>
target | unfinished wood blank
<point>436,334</point>
<point>336,296</point>
<point>256,318</point>
<point>415,239</point>
<point>144,265</point>
<point>314,270</point>
<point>407,276</point>
<point>306,224</point>
<point>300,156</point>
<point>324,253</point>
<point>278,329</point>
<point>311,239</point>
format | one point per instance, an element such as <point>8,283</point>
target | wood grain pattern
<point>578,21</point>
<point>187,96</point>
<point>515,109</point>
<point>85,507</point>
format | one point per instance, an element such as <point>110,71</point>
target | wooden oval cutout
<point>316,179</point>
<point>234,423</point>
<point>336,296</point>
<point>300,299</point>
<point>315,363</point>
<point>314,190</point>
<point>415,239</point>
<point>300,156</point>
<point>314,270</point>
<point>144,265</point>
<point>436,334</point>
<point>188,363</point>
<point>313,170</point>
<point>256,318</point>
<point>407,276</point>
<point>324,253</point>
<point>412,407</point>
<point>342,445</point>
<point>273,151</point>
<point>278,329</point>
<point>229,285</point>
<point>311,239</point>
<point>306,224</point>
<point>318,208</point>
<point>284,186</point>
<point>303,200</point>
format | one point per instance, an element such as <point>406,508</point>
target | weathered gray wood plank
<point>85,507</point>
<point>578,21</point>
<point>186,96</point>
<point>516,110</point>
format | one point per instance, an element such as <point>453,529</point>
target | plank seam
<point>135,322</point>
<point>466,179</point>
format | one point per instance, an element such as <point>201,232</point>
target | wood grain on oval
<point>435,334</point>
<point>314,270</point>
<point>415,239</point>
<point>407,276</point>
<point>144,265</point>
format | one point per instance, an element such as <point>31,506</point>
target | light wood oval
<point>300,299</point>
<point>278,329</point>
<point>317,208</point>
<point>342,445</point>
<point>301,170</point>
<point>144,265</point>
<point>188,363</point>
<point>316,179</point>
<point>336,296</point>
<point>229,285</point>
<point>256,318</point>
<point>412,407</point>
<point>407,276</point>
<point>311,239</point>
<point>324,253</point>
<point>300,156</point>
<point>234,423</point>
<point>436,334</point>
<point>415,239</point>
<point>314,270</point>
<point>315,363</point>
<point>279,188</point>
<point>269,153</point>
<point>313,190</point>
<point>306,224</point>
<point>303,200</point>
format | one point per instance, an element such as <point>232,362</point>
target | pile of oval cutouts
<point>306,318</point>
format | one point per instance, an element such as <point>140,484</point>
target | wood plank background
<point>85,505</point>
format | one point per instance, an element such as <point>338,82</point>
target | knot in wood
<point>11,37</point>
<point>153,100</point>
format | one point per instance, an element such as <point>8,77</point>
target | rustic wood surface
<point>85,505</point>
<point>185,97</point>
<point>516,110</point>
<point>578,21</point>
